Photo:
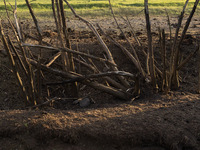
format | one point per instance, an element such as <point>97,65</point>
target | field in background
<point>93,8</point>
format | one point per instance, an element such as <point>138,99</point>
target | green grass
<point>93,8</point>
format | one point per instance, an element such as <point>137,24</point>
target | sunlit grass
<point>93,8</point>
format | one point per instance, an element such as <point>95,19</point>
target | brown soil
<point>151,122</point>
<point>163,121</point>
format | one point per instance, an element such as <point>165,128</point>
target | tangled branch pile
<point>29,67</point>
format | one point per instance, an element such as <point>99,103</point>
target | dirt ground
<point>150,122</point>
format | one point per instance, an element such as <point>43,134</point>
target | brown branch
<point>107,51</point>
<point>124,50</point>
<point>16,73</point>
<point>69,56</point>
<point>53,59</point>
<point>127,53</point>
<point>188,58</point>
<point>150,52</point>
<point>179,25</point>
<point>35,20</point>
<point>174,80</point>
<point>54,13</point>
<point>188,22</point>
<point>133,49</point>
<point>66,58</point>
<point>18,57</point>
<point>85,64</point>
<point>70,51</point>
<point>163,57</point>
<point>133,32</point>
<point>169,24</point>
<point>94,31</point>
<point>92,76</point>
<point>16,21</point>
<point>109,79</point>
<point>58,23</point>
<point>31,91</point>
<point>95,85</point>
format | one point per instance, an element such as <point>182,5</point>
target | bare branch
<point>70,51</point>
<point>92,76</point>
<point>107,51</point>
<point>35,20</point>
<point>150,46</point>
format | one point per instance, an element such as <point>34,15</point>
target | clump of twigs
<point>168,75</point>
<point>29,68</point>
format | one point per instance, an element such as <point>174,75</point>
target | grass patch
<point>93,8</point>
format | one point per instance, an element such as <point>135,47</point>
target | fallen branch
<point>95,85</point>
<point>94,69</point>
<point>99,75</point>
<point>70,51</point>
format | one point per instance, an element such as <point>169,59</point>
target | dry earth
<point>151,122</point>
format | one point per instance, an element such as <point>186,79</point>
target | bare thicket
<point>30,68</point>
